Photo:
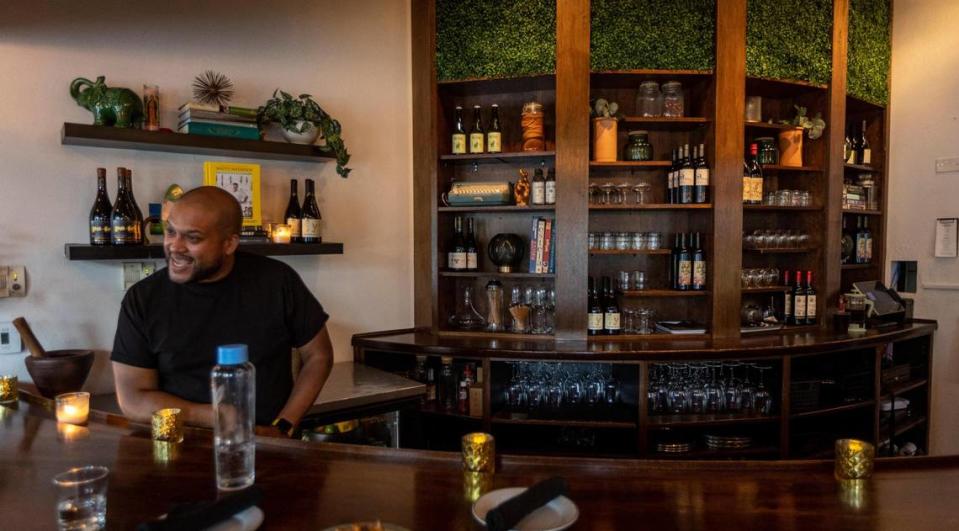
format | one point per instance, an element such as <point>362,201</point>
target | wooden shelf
<point>860,167</point>
<point>774,208</point>
<point>434,410</point>
<point>494,274</point>
<point>847,267</point>
<point>79,251</point>
<point>907,426</point>
<point>662,122</point>
<point>769,126</point>
<point>601,252</point>
<point>652,206</point>
<point>499,157</point>
<point>767,289</point>
<point>706,453</point>
<point>504,418</point>
<point>480,334</point>
<point>501,85</point>
<point>898,389</point>
<point>834,409</point>
<point>778,167</point>
<point>720,419</point>
<point>120,138</point>
<point>632,164</point>
<point>786,250</point>
<point>662,293</point>
<point>646,337</point>
<point>862,212</point>
<point>499,208</point>
<point>780,88</point>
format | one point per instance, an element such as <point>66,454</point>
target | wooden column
<point>425,156</point>
<point>829,284</point>
<point>727,180</point>
<point>572,166</point>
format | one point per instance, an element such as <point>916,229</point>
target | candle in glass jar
<point>73,407</point>
<point>281,233</point>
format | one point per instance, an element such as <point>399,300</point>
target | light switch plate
<point>947,165</point>
<point>13,281</point>
<point>10,342</point>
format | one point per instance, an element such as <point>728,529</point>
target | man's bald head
<point>225,208</point>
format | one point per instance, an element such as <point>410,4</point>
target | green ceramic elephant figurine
<point>119,107</point>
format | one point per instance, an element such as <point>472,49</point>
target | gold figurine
<point>521,189</point>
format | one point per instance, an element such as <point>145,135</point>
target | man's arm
<point>139,396</point>
<point>317,357</point>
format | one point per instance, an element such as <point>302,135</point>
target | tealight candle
<point>73,407</point>
<point>479,452</point>
<point>281,233</point>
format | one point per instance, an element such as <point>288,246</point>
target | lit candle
<point>8,389</point>
<point>479,452</point>
<point>73,407</point>
<point>854,459</point>
<point>281,233</point>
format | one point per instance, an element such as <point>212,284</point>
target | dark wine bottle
<point>671,180</point>
<point>687,178</point>
<point>685,267</point>
<point>594,323</point>
<point>101,212</point>
<point>699,265</point>
<point>701,191</point>
<point>848,244</point>
<point>494,138</point>
<point>472,253</point>
<point>674,263</point>
<point>611,315</point>
<point>477,134</point>
<point>457,253</point>
<point>799,301</point>
<point>310,222</point>
<point>788,315</point>
<point>294,214</point>
<point>810,300</point>
<point>123,219</point>
<point>867,250</point>
<point>137,213</point>
<point>865,152</point>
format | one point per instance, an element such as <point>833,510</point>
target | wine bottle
<point>865,152</point>
<point>459,133</point>
<point>867,251</point>
<point>753,178</point>
<point>810,300</point>
<point>457,253</point>
<point>594,321</point>
<point>699,265</point>
<point>123,219</point>
<point>747,182</point>
<point>611,313</point>
<point>472,254</point>
<point>538,188</point>
<point>860,242</point>
<point>799,301</point>
<point>701,178</point>
<point>494,138</point>
<point>294,214</point>
<point>101,212</point>
<point>788,315</point>
<point>674,263</point>
<point>685,266</point>
<point>848,243</point>
<point>848,152</point>
<point>137,213</point>
<point>550,192</point>
<point>687,178</point>
<point>670,179</point>
<point>310,222</point>
<point>477,135</point>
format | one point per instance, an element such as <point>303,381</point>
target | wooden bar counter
<point>312,486</point>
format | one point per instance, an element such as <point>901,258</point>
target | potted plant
<point>302,121</point>
<point>790,140</point>
<point>604,130</point>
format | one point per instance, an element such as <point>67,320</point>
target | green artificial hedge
<point>789,39</point>
<point>870,50</point>
<point>495,38</point>
<point>639,34</point>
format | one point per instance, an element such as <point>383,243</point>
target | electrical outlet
<point>13,281</point>
<point>947,165</point>
<point>134,272</point>
<point>10,339</point>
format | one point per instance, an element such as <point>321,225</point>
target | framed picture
<point>242,181</point>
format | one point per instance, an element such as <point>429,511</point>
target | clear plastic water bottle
<point>233,388</point>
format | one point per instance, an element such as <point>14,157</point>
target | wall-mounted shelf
<point>632,164</point>
<point>774,208</point>
<point>628,251</point>
<point>786,250</point>
<point>862,212</point>
<point>120,138</point>
<point>499,157</point>
<point>767,289</point>
<point>653,206</point>
<point>500,208</point>
<point>662,122</point>
<point>662,293</point>
<point>857,266</point>
<point>860,167</point>
<point>778,167</point>
<point>79,251</point>
<point>495,274</point>
<point>769,126</point>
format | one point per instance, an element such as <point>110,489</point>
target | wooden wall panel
<point>829,284</point>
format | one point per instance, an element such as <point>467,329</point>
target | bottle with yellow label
<point>493,136</point>
<point>477,135</point>
<point>459,133</point>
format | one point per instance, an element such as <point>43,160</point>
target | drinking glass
<point>638,241</point>
<point>624,283</point>
<point>696,391</point>
<point>714,391</point>
<point>639,280</point>
<point>607,189</point>
<point>747,391</point>
<point>622,193</point>
<point>658,388</point>
<point>733,388</point>
<point>595,195</point>
<point>678,396</point>
<point>82,498</point>
<point>763,399</point>
<point>644,321</point>
<point>642,189</point>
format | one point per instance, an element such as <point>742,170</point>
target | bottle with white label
<point>594,322</point>
<point>310,222</point>
<point>701,177</point>
<point>687,178</point>
<point>550,187</point>
<point>865,152</point>
<point>472,253</point>
<point>457,253</point>
<point>538,188</point>
<point>799,301</point>
<point>611,314</point>
<point>810,300</point>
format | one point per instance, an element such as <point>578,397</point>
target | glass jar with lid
<point>638,146</point>
<point>768,150</point>
<point>534,137</point>
<point>673,106</point>
<point>649,101</point>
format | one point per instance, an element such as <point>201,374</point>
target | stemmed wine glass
<point>748,391</point>
<point>763,399</point>
<point>715,397</point>
<point>733,389</point>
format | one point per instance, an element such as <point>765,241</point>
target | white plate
<point>556,515</point>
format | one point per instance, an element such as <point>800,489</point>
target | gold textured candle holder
<point>476,484</point>
<point>479,452</point>
<point>854,459</point>
<point>9,392</point>
<point>168,425</point>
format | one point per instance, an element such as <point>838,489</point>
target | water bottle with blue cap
<point>233,389</point>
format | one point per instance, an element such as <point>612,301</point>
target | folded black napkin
<point>507,514</point>
<point>201,515</point>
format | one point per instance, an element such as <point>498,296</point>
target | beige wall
<point>925,126</point>
<point>352,56</point>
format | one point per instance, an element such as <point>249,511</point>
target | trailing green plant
<point>648,34</point>
<point>789,39</point>
<point>813,126</point>
<point>604,109</point>
<point>870,50</point>
<point>299,115</point>
<point>493,38</point>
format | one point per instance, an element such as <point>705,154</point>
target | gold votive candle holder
<point>168,425</point>
<point>476,484</point>
<point>9,392</point>
<point>479,452</point>
<point>73,408</point>
<point>854,459</point>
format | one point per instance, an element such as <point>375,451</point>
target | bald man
<point>210,294</point>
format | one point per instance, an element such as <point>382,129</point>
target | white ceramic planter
<point>308,137</point>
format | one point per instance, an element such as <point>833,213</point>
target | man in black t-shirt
<point>208,295</point>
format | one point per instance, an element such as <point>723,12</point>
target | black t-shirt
<point>176,328</point>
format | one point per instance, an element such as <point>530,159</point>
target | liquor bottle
<point>550,187</point>
<point>457,253</point>
<point>860,242</point>
<point>810,300</point>
<point>594,322</point>
<point>233,384</point>
<point>472,255</point>
<point>687,178</point>
<point>101,212</point>
<point>294,214</point>
<point>685,266</point>
<point>799,301</point>
<point>848,244</point>
<point>701,178</point>
<point>459,133</point>
<point>310,222</point>
<point>477,135</point>
<point>447,387</point>
<point>699,265</point>
<point>788,315</point>
<point>756,176</point>
<point>867,251</point>
<point>670,179</point>
<point>848,152</point>
<point>747,182</point>
<point>463,398</point>
<point>137,213</point>
<point>611,321</point>
<point>538,188</point>
<point>853,146</point>
<point>865,152</point>
<point>494,138</point>
<point>123,218</point>
<point>430,384</point>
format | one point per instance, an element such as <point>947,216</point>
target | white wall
<point>353,57</point>
<point>925,126</point>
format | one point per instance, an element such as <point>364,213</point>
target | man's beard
<point>201,272</point>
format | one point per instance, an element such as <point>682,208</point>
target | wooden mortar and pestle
<point>57,371</point>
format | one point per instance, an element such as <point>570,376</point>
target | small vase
<point>790,147</point>
<point>604,139</point>
<point>307,137</point>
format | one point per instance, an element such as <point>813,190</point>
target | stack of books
<point>542,244</point>
<point>209,120</point>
